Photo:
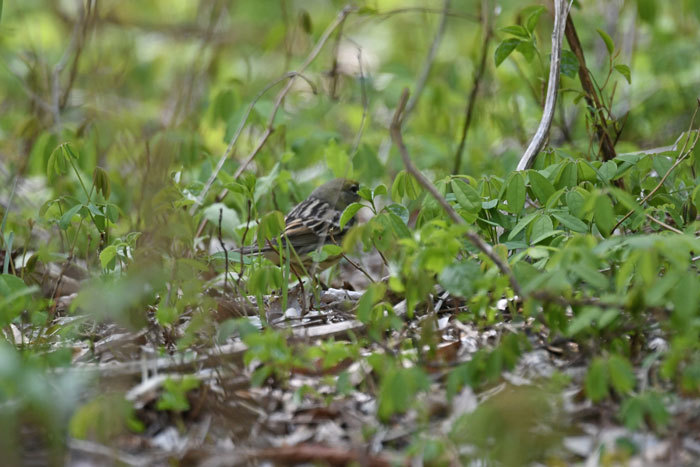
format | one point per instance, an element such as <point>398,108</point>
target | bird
<point>310,225</point>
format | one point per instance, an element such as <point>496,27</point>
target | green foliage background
<point>151,93</point>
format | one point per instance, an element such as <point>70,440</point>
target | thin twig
<point>478,75</point>
<point>429,59</point>
<point>663,224</point>
<point>234,139</point>
<point>451,13</point>
<point>681,157</point>
<point>75,47</point>
<point>484,247</point>
<point>561,10</point>
<point>365,105</point>
<point>340,18</point>
<point>87,21</point>
<point>223,247</point>
<point>359,268</point>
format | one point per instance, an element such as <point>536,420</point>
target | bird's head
<point>339,193</point>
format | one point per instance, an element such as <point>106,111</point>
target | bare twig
<point>365,105</point>
<point>663,224</point>
<point>561,10</point>
<point>682,155</point>
<point>60,98</point>
<point>480,244</point>
<point>429,59</point>
<point>478,75</point>
<point>340,18</point>
<point>223,247</point>
<point>452,13</point>
<point>232,143</point>
<point>596,109</point>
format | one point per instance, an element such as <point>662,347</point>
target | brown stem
<point>595,107</point>
<point>484,247</point>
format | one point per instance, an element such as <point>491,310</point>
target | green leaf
<point>57,163</point>
<point>67,217</point>
<point>571,222</point>
<point>458,278</point>
<point>696,196</point>
<point>166,315</point>
<point>349,213</point>
<point>590,275</point>
<point>101,181</point>
<point>621,374</point>
<point>609,44</point>
<point>624,70</point>
<point>398,226</point>
<point>107,256</point>
<point>603,214</point>
<point>531,20</point>
<point>467,197</point>
<point>524,222</point>
<point>365,193</point>
<point>504,49</point>
<point>68,151</point>
<point>607,171</point>
<point>11,284</point>
<point>576,203</point>
<point>270,226</point>
<point>379,190</point>
<point>596,383</point>
<point>516,193</point>
<point>569,64</point>
<point>568,176</point>
<point>374,293</point>
<point>685,300</point>
<point>541,187</point>
<point>527,48</point>
<point>516,30</point>
<point>632,413</point>
<point>398,188</point>
<point>399,210</point>
<point>541,228</point>
<point>582,320</point>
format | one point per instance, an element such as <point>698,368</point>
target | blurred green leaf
<point>504,49</point>
<point>624,70</point>
<point>609,44</point>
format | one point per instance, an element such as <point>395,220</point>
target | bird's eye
<point>354,188</point>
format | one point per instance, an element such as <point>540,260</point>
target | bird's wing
<point>311,224</point>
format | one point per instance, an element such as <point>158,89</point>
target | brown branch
<point>595,107</point>
<point>480,244</point>
<point>478,75</point>
<point>561,10</point>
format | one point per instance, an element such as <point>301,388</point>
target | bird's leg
<point>304,307</point>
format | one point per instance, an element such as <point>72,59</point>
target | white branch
<point>561,11</point>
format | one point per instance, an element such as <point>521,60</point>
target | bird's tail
<point>252,250</point>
